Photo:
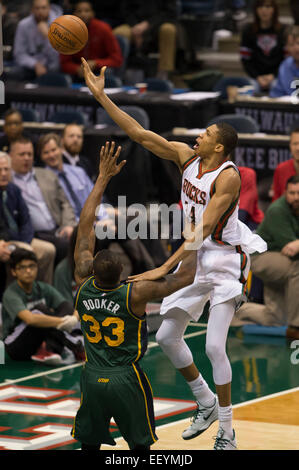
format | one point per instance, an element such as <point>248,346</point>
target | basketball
<point>68,34</point>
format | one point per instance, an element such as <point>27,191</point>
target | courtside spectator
<point>263,44</point>
<point>72,144</point>
<point>33,54</point>
<point>64,279</point>
<point>288,73</point>
<point>17,229</point>
<point>151,26</point>
<point>102,47</point>
<point>38,323</point>
<point>249,211</point>
<point>13,128</point>
<point>51,214</point>
<point>278,267</point>
<point>286,169</point>
<point>74,180</point>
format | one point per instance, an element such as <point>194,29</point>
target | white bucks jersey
<point>197,189</point>
<point>223,260</point>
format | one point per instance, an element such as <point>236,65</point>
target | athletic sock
<point>225,416</point>
<point>201,391</point>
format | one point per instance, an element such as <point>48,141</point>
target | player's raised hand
<point>95,83</point>
<point>108,160</point>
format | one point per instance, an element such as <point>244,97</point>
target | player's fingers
<point>103,69</point>
<point>132,279</point>
<point>106,149</point>
<point>85,64</point>
<point>121,165</point>
<point>111,151</point>
<point>116,155</point>
<point>136,277</point>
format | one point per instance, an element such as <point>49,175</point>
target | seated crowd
<point>124,32</point>
<point>45,182</point>
<point>39,210</point>
<point>116,30</point>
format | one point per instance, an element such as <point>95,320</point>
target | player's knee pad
<point>163,337</point>
<point>215,352</point>
<point>177,351</point>
<point>222,373</point>
<point>172,328</point>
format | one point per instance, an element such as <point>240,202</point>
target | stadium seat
<point>136,112</point>
<point>125,50</point>
<point>224,82</point>
<point>196,7</point>
<point>204,80</point>
<point>112,81</point>
<point>30,115</point>
<point>69,117</point>
<point>242,124</point>
<point>54,79</point>
<point>157,84</point>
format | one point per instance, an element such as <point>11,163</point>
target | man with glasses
<point>38,323</point>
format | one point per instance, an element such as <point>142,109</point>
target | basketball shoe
<point>201,420</point>
<point>46,357</point>
<point>222,442</point>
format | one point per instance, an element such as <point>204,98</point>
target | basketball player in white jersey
<point>210,195</point>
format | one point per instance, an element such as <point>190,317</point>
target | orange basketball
<point>68,34</point>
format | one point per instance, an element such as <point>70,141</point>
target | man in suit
<point>72,143</point>
<point>74,180</point>
<point>16,228</point>
<point>52,216</point>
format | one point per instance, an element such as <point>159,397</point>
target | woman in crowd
<point>263,44</point>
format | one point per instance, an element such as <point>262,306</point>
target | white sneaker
<point>67,357</point>
<point>201,420</point>
<point>222,442</point>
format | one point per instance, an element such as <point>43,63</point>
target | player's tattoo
<point>83,243</point>
<point>84,267</point>
<point>85,259</point>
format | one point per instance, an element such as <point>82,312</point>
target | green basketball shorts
<point>122,393</point>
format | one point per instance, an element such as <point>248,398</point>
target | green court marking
<point>261,367</point>
<point>16,368</point>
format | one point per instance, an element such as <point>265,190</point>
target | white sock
<point>225,416</point>
<point>201,391</point>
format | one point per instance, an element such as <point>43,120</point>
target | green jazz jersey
<point>113,335</point>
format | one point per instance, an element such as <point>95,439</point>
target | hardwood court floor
<point>38,403</point>
<point>271,423</point>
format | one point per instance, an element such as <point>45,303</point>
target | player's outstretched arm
<point>147,291</point>
<point>178,152</point>
<point>84,248</point>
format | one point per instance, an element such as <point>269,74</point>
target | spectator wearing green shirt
<point>278,267</point>
<point>64,279</point>
<point>38,323</point>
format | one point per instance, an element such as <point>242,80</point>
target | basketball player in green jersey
<point>113,322</point>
